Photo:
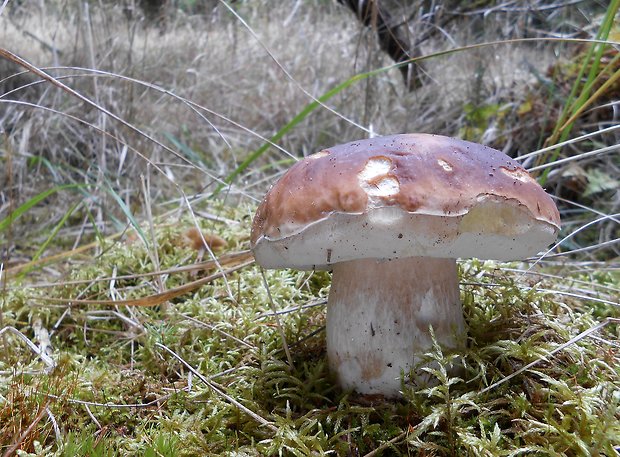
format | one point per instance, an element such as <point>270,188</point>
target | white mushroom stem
<point>378,318</point>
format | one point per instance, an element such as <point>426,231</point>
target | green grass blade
<point>303,114</point>
<point>52,235</point>
<point>600,91</point>
<point>55,230</point>
<point>125,209</point>
<point>188,152</point>
<point>575,104</point>
<point>100,236</point>
<point>598,48</point>
<point>25,207</point>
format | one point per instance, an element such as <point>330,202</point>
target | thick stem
<point>378,318</point>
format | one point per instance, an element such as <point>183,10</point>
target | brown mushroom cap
<point>401,196</point>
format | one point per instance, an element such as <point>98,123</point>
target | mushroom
<point>389,216</point>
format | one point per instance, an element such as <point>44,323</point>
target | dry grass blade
<point>226,259</point>
<point>575,339</point>
<point>49,362</point>
<point>576,295</point>
<point>33,69</point>
<point>157,299</point>
<point>572,234</point>
<point>572,252</point>
<point>586,136</point>
<point>221,332</point>
<point>56,82</point>
<point>597,152</point>
<point>156,402</point>
<point>278,323</point>
<point>288,75</point>
<point>196,108</point>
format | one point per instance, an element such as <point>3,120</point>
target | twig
<point>218,391</point>
<point>93,418</point>
<point>573,340</point>
<point>215,329</point>
<point>387,444</point>
<point>292,309</point>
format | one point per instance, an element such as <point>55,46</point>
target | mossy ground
<point>116,391</point>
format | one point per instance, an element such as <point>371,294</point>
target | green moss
<point>566,404</point>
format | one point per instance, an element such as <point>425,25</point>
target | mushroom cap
<point>402,196</point>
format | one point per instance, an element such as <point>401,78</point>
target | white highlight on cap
<point>518,174</point>
<point>445,165</point>
<point>318,155</point>
<point>375,178</point>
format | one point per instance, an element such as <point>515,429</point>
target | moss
<point>566,404</point>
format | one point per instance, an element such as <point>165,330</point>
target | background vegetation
<point>134,132</point>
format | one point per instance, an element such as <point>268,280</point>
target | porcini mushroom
<point>389,216</point>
